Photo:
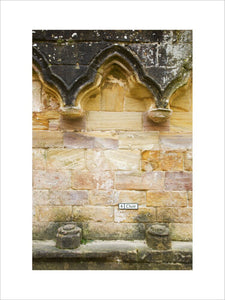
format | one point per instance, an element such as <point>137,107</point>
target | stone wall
<point>94,145</point>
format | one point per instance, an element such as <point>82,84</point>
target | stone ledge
<point>111,255</point>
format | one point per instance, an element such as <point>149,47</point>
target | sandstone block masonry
<point>112,153</point>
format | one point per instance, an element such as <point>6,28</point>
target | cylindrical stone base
<point>158,238</point>
<point>68,237</point>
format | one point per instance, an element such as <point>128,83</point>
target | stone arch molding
<point>73,94</point>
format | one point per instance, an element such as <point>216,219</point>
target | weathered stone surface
<point>36,96</point>
<point>42,231</point>
<point>39,124</point>
<point>51,101</point>
<point>47,115</point>
<point>185,215</point>
<point>157,237</point>
<point>174,215</point>
<point>147,53</point>
<point>110,255</point>
<point>47,139</point>
<point>181,100</point>
<point>39,159</point>
<point>189,199</point>
<point>54,125</point>
<point>159,115</point>
<point>175,54</point>
<point>92,101</point>
<point>68,197</point>
<point>188,161</point>
<point>115,160</point>
<point>41,197</point>
<point>142,215</point>
<point>87,180</point>
<point>181,122</point>
<point>109,120</point>
<point>113,35</point>
<point>114,231</point>
<point>166,199</point>
<point>89,141</point>
<point>138,140</point>
<point>78,140</point>
<point>178,181</point>
<point>132,197</point>
<point>149,125</point>
<point>105,140</point>
<point>69,58</point>
<point>139,181</point>
<point>139,91</point>
<point>59,159</point>
<point>181,232</point>
<point>167,215</point>
<point>134,104</point>
<point>175,141</point>
<point>112,97</point>
<point>72,124</point>
<point>96,160</point>
<point>162,161</point>
<point>54,213</point>
<point>51,180</point>
<point>92,213</point>
<point>68,237</point>
<point>47,230</point>
<point>103,197</point>
<point>69,54</point>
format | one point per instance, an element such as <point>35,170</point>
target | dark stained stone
<point>69,59</point>
<point>108,255</point>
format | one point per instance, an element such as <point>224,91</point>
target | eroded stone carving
<point>157,237</point>
<point>68,237</point>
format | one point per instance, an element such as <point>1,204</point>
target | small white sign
<point>128,206</point>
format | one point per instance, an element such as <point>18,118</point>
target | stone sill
<point>112,255</point>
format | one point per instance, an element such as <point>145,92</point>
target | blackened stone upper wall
<point>64,56</point>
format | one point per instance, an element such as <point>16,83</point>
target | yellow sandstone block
<point>189,199</point>
<point>132,197</point>
<point>163,199</point>
<point>174,215</point>
<point>162,161</point>
<point>92,213</point>
<point>181,100</point>
<point>51,179</point>
<point>54,213</point>
<point>129,180</point>
<point>188,161</point>
<point>112,97</point>
<point>181,122</point>
<point>103,197</point>
<point>139,140</point>
<point>123,159</point>
<point>114,120</point>
<point>65,159</point>
<point>47,139</point>
<point>134,104</point>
